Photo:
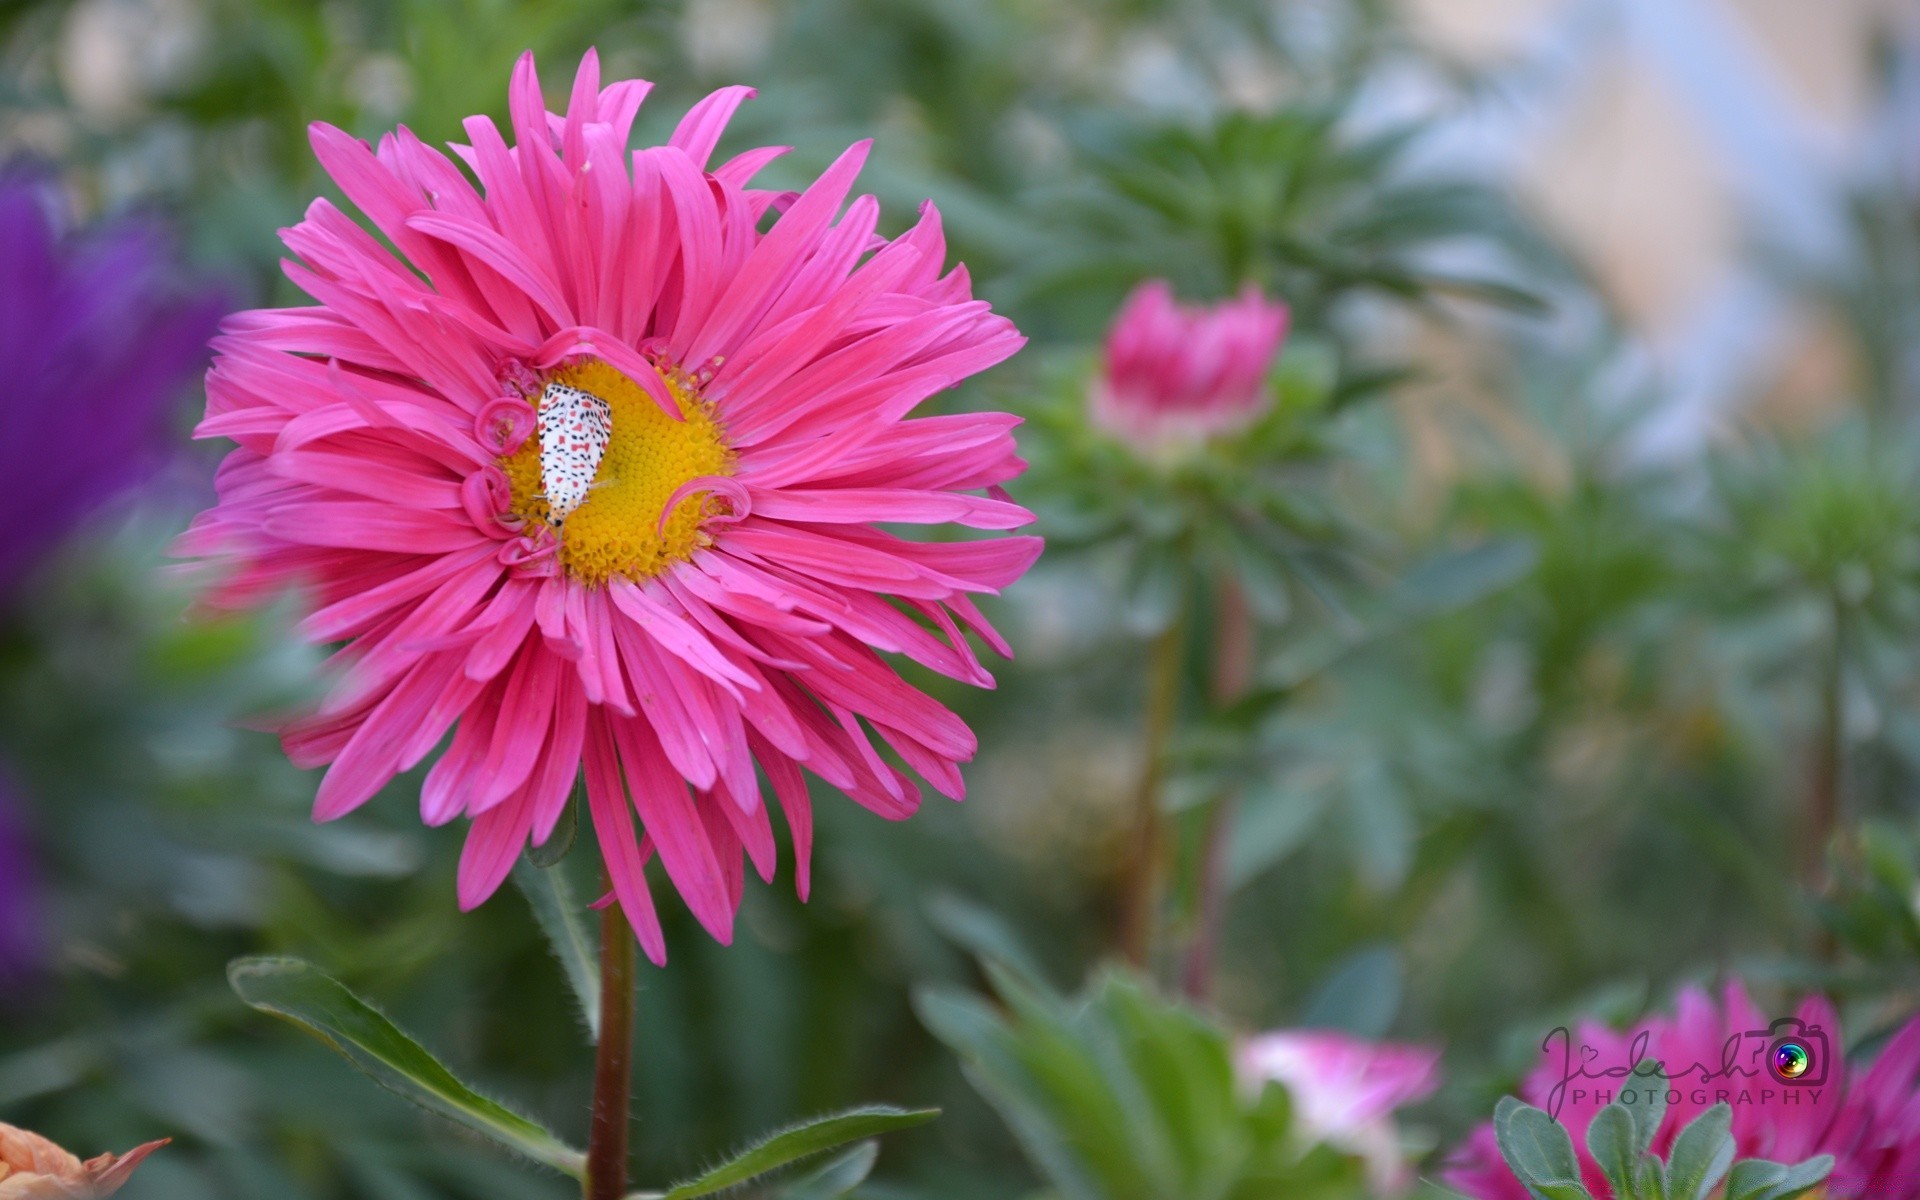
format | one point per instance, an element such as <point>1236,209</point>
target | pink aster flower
<point>1867,1118</point>
<point>593,476</point>
<point>1345,1090</point>
<point>1175,374</point>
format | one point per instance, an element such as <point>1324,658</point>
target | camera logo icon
<point>1794,1051</point>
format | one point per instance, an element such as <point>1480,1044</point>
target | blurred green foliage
<point>1555,732</point>
<point>1117,1094</point>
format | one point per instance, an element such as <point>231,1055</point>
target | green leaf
<point>837,1178</point>
<point>1361,995</point>
<point>801,1141</point>
<point>1457,578</point>
<point>1610,1139</point>
<point>1647,1108</point>
<point>569,935</point>
<point>299,992</point>
<point>1305,374</point>
<point>1758,1179</point>
<point>550,852</point>
<point>1538,1150</point>
<point>1701,1155</point>
<point>1275,820</point>
<point>1650,1180</point>
<point>1261,577</point>
<point>1489,291</point>
<point>1183,1070</point>
<point>1156,584</point>
<point>979,929</point>
<point>1093,1101</point>
<point>988,1047</point>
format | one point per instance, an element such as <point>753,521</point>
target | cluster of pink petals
<point>33,1168</point>
<point>1868,1119</point>
<point>370,426</point>
<point>1175,374</point>
<point>1345,1091</point>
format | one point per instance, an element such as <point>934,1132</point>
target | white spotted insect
<point>575,427</point>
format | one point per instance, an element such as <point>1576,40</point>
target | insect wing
<point>575,427</point>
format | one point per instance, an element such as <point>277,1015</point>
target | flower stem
<point>1233,648</point>
<point>613,1061</point>
<point>1146,866</point>
<point>1825,794</point>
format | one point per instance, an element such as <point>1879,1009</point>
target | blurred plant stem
<point>613,1061</point>
<point>1146,866</point>
<point>1233,645</point>
<point>1824,788</point>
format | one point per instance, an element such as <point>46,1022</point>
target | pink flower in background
<point>1175,374</point>
<point>604,489</point>
<point>1345,1090</point>
<point>1868,1119</point>
<point>33,1168</point>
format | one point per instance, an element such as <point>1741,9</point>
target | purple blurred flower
<point>97,339</point>
<point>1345,1090</point>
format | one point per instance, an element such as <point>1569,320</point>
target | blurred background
<point>1586,667</point>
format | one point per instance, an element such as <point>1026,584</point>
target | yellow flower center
<point>649,455</point>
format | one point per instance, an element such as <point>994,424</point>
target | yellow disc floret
<point>617,530</point>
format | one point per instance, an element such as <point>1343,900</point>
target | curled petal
<point>530,556</point>
<point>598,343</point>
<point>504,425</point>
<point>487,496</point>
<point>732,490</point>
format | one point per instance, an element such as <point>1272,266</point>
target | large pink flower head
<point>592,475</point>
<point>1175,375</point>
<point>1345,1090</point>
<point>1784,1109</point>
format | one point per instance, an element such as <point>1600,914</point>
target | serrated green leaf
<point>1759,1179</point>
<point>569,935</point>
<point>1701,1155</point>
<point>798,1142</point>
<point>301,993</point>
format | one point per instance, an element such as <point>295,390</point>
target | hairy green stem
<point>613,1061</point>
